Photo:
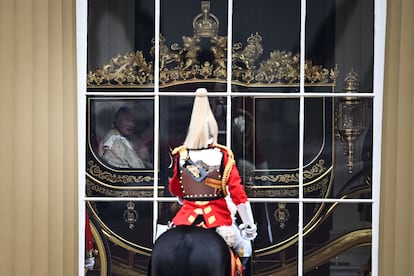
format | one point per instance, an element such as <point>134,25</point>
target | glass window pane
<point>119,158</point>
<point>341,34</point>
<point>175,115</point>
<point>264,131</point>
<point>341,244</point>
<point>193,45</point>
<point>338,147</point>
<point>175,118</point>
<point>265,143</point>
<point>318,147</point>
<point>120,37</point>
<point>121,235</point>
<point>276,244</point>
<point>266,45</point>
<point>353,162</point>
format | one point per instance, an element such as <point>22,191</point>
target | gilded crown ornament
<point>131,215</point>
<point>205,24</point>
<point>351,83</point>
<point>181,63</point>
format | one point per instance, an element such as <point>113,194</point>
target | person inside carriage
<point>208,185</point>
<point>122,147</point>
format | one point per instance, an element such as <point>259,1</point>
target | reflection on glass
<point>353,161</point>
<point>341,33</point>
<point>266,39</point>
<point>351,118</point>
<point>119,44</point>
<point>318,147</point>
<point>122,133</point>
<point>349,240</point>
<point>276,243</point>
<point>119,150</point>
<point>193,45</point>
<point>174,120</point>
<point>93,241</point>
<point>265,144</point>
<point>121,233</point>
<point>326,148</point>
<point>276,223</point>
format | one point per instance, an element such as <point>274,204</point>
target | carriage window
<point>292,87</point>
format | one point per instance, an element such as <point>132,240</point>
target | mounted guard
<point>206,181</point>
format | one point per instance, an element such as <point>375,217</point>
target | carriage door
<point>296,88</point>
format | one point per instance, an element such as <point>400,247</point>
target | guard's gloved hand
<point>248,232</point>
<point>248,228</point>
<point>90,263</point>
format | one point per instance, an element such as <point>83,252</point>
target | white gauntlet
<point>248,232</point>
<point>89,263</point>
<point>248,228</point>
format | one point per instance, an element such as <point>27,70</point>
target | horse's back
<point>186,250</point>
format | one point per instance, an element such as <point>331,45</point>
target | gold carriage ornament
<point>180,64</point>
<point>350,119</point>
<point>131,215</point>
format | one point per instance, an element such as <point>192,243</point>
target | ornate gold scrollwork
<point>181,64</point>
<point>316,176</point>
<point>95,171</point>
<point>94,188</point>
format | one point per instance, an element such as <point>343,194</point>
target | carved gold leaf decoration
<point>181,64</point>
<point>131,68</point>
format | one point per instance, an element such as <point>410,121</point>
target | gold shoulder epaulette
<point>178,149</point>
<point>227,168</point>
<point>182,150</point>
<point>229,151</point>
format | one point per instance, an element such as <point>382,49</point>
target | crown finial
<point>351,81</point>
<point>205,24</point>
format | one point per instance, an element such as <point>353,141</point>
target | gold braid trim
<point>227,168</point>
<point>229,151</point>
<point>226,174</point>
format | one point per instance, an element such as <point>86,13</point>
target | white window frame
<point>377,96</point>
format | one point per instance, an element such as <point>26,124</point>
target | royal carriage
<point>265,128</point>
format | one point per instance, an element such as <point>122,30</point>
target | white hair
<point>203,128</point>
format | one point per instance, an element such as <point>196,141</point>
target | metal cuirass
<point>201,174</point>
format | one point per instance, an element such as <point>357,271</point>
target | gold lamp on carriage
<point>351,118</point>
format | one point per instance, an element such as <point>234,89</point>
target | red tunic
<point>215,212</point>
<point>88,236</point>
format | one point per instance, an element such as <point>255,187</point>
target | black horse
<point>189,251</point>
